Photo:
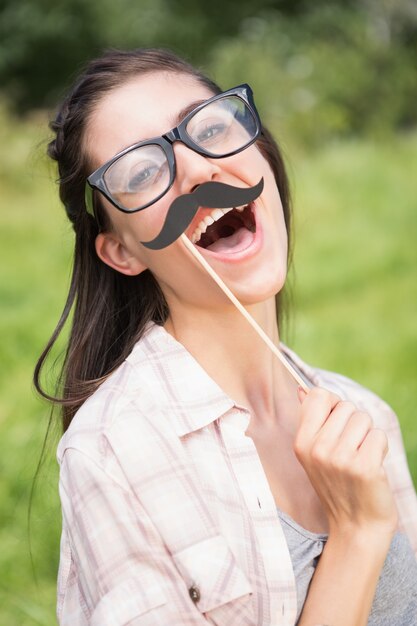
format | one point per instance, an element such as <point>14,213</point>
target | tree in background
<point>44,42</point>
<point>323,69</point>
<point>328,72</point>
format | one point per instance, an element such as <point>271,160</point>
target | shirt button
<point>194,593</point>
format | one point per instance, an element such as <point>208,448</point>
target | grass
<point>355,296</point>
<point>355,262</point>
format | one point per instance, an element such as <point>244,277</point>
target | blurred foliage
<point>43,42</point>
<point>328,74</point>
<point>321,69</point>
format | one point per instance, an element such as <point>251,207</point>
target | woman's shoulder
<point>130,394</point>
<point>347,388</point>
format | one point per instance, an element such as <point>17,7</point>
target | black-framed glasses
<point>141,174</point>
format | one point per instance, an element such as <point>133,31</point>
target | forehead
<point>143,107</point>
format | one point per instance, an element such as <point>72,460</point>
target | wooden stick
<point>244,312</point>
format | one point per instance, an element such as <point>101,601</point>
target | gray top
<point>395,600</point>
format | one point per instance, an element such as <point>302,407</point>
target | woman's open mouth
<point>229,232</point>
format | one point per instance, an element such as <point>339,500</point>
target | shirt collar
<point>182,387</point>
<point>180,383</point>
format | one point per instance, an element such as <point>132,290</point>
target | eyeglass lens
<point>143,174</point>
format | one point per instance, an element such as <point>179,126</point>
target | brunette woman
<point>198,483</point>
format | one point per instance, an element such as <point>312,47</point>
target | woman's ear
<point>114,254</point>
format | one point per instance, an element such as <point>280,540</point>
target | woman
<point>198,483</point>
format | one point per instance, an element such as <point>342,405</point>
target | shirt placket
<point>270,542</point>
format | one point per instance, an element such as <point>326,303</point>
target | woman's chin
<point>255,292</point>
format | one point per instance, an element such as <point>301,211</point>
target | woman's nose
<point>193,168</point>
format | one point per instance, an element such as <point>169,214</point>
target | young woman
<point>199,484</point>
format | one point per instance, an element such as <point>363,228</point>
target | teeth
<point>215,215</point>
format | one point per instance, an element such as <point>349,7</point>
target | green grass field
<point>354,312</point>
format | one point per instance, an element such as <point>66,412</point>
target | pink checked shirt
<point>167,515</point>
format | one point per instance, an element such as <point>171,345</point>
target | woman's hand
<point>342,454</point>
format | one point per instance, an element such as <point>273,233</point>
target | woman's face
<point>148,107</point>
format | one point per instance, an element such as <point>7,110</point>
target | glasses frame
<point>95,181</point>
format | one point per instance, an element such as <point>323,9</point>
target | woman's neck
<point>235,356</point>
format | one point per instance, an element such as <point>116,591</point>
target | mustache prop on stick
<point>214,194</point>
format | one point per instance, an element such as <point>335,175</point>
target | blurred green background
<point>337,84</point>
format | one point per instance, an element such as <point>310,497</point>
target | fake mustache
<point>213,195</point>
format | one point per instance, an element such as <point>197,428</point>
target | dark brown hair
<point>110,309</point>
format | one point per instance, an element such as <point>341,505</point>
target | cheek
<point>282,230</point>
<point>277,214</point>
<point>139,226</point>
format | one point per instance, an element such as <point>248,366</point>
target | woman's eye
<point>142,178</point>
<point>210,133</point>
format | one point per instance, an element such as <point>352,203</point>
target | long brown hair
<point>110,310</point>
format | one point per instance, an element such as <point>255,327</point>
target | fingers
<point>342,454</point>
<point>330,425</point>
<point>336,423</point>
<point>315,409</point>
<point>374,448</point>
<point>358,424</point>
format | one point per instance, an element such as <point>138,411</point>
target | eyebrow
<point>175,121</point>
<point>186,110</point>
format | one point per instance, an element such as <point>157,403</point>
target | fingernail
<point>301,393</point>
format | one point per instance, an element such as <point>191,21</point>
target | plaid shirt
<point>168,518</point>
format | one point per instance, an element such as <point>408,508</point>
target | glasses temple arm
<point>89,202</point>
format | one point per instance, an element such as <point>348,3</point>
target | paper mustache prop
<point>179,217</point>
<point>211,195</point>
